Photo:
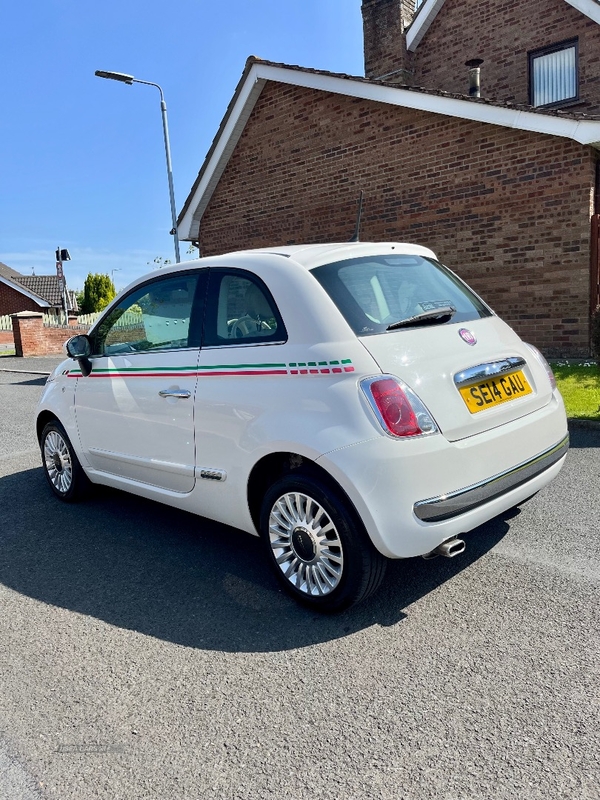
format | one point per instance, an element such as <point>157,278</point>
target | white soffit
<point>586,132</point>
<point>430,8</point>
<point>590,8</point>
<point>427,13</point>
<point>22,290</point>
<point>189,226</point>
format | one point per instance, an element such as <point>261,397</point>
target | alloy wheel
<point>306,544</point>
<point>58,463</point>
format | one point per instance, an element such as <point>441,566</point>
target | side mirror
<point>80,348</point>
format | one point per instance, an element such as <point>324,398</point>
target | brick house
<point>505,191</point>
<point>31,293</point>
<point>542,52</point>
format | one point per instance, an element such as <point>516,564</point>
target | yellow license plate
<point>494,391</point>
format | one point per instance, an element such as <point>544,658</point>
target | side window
<point>156,316</point>
<point>240,310</point>
<point>553,74</point>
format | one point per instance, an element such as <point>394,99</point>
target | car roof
<point>308,256</point>
<point>314,255</point>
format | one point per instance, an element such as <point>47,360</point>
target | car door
<point>239,385</point>
<point>135,411</point>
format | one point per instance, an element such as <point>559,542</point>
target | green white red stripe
<point>222,370</point>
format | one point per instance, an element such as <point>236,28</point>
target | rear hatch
<point>467,388</point>
<point>423,324</point>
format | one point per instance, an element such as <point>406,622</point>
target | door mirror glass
<point>79,346</point>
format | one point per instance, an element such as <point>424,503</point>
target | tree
<point>160,261</point>
<point>98,291</point>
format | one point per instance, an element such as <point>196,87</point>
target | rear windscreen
<point>374,292</point>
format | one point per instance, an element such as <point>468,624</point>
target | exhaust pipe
<point>449,549</point>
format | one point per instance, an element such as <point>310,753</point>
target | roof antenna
<point>358,216</point>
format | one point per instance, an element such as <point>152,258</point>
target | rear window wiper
<point>434,316</point>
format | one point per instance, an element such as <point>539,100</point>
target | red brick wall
<point>12,301</point>
<point>502,32</point>
<point>508,210</point>
<point>33,338</point>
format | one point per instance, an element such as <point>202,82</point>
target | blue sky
<point>82,158</point>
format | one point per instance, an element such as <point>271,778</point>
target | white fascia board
<point>586,132</point>
<point>189,227</point>
<point>417,30</point>
<point>22,290</point>
<point>582,131</point>
<point>590,8</point>
<point>430,9</point>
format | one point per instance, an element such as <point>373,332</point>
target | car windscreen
<point>375,292</point>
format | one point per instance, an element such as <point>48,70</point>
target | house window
<point>553,74</point>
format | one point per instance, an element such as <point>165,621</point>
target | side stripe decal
<point>221,370</point>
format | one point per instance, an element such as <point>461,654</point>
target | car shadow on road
<point>165,573</point>
<point>41,381</point>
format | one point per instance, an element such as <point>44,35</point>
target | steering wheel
<point>247,326</point>
<point>242,327</point>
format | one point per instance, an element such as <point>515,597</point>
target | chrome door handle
<point>183,394</point>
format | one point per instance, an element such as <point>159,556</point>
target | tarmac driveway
<point>147,653</point>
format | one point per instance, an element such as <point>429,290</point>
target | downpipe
<point>449,549</point>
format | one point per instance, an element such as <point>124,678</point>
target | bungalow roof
<point>8,272</point>
<point>13,283</point>
<point>43,289</point>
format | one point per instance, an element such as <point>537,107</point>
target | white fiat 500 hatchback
<point>347,403</point>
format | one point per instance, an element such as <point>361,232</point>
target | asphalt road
<point>147,653</point>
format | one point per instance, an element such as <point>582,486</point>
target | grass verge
<point>579,385</point>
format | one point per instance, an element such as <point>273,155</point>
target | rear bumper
<point>446,506</point>
<point>413,495</point>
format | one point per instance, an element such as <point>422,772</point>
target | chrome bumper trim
<point>483,371</point>
<point>446,506</point>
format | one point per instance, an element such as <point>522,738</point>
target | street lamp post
<point>129,79</point>
<point>62,254</point>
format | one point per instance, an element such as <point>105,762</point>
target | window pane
<point>244,314</point>
<point>155,317</point>
<point>374,291</point>
<point>554,77</point>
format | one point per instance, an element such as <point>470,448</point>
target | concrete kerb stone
<point>35,365</point>
<point>26,371</point>
<point>588,424</point>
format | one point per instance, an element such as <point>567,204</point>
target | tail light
<point>544,364</point>
<point>400,412</point>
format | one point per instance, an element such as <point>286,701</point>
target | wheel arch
<point>43,418</point>
<point>361,567</point>
<point>277,465</point>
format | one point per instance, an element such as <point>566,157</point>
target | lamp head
<point>114,76</point>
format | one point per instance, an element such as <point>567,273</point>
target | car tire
<point>317,546</point>
<point>62,469</point>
